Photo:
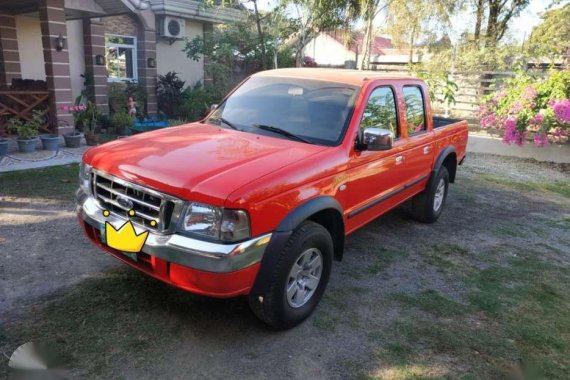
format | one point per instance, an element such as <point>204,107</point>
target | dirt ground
<point>409,300</point>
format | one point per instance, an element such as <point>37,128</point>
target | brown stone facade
<point>94,45</point>
<point>9,54</point>
<point>146,50</point>
<point>52,19</point>
<point>125,25</point>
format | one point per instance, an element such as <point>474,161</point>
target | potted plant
<point>3,147</point>
<point>27,132</point>
<point>72,139</point>
<point>49,141</point>
<point>122,122</point>
<point>85,116</point>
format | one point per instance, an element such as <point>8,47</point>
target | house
<point>46,46</point>
<point>336,49</point>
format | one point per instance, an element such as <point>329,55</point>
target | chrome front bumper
<point>180,249</point>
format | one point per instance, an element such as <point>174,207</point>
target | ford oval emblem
<point>125,202</point>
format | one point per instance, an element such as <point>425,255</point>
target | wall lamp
<point>100,60</point>
<point>59,42</point>
<point>151,62</point>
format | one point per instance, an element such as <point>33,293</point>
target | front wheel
<point>299,279</point>
<point>428,205</point>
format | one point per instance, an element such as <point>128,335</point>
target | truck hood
<point>197,162</point>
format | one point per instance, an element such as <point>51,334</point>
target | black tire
<point>273,307</point>
<point>423,203</point>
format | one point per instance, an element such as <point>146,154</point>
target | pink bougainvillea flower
<point>512,134</point>
<point>528,95</point>
<point>516,107</point>
<point>488,121</point>
<point>540,139</point>
<point>562,111</point>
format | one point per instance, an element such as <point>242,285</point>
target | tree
<point>552,36</point>
<point>371,8</point>
<point>315,16</point>
<point>480,12</point>
<point>408,19</point>
<point>500,13</point>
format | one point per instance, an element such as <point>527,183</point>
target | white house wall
<point>32,65</point>
<point>76,56</point>
<point>172,58</point>
<point>325,50</point>
<point>29,36</point>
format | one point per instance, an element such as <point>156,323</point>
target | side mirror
<point>213,107</point>
<point>375,139</point>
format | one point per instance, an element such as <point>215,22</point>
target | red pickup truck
<point>257,198</point>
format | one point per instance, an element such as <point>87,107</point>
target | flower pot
<point>50,142</point>
<point>3,147</point>
<point>124,132</point>
<point>27,145</point>
<point>72,139</point>
<point>91,139</point>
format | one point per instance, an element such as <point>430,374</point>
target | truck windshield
<point>308,111</point>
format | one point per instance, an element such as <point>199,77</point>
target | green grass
<point>121,314</point>
<point>447,257</point>
<point>383,257</point>
<point>56,183</point>
<point>559,188</point>
<point>433,302</point>
<point>516,311</point>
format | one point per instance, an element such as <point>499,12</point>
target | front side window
<point>415,114</point>
<point>312,111</point>
<point>380,111</point>
<point>121,57</point>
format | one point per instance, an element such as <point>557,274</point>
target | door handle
<point>399,160</point>
<point>426,149</point>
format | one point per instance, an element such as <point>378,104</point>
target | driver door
<point>374,176</point>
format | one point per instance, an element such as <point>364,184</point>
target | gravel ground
<point>122,324</point>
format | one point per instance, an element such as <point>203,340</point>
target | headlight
<point>215,223</point>
<point>85,177</point>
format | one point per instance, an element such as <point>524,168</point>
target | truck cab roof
<point>352,77</point>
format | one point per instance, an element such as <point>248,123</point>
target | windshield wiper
<point>226,122</point>
<point>229,124</point>
<point>281,132</point>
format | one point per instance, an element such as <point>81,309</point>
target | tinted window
<point>414,109</point>
<point>314,110</point>
<point>380,111</point>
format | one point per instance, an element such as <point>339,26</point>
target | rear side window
<point>415,114</point>
<point>380,111</point>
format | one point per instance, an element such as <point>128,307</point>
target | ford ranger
<point>257,198</point>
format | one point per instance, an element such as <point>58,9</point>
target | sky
<point>519,27</point>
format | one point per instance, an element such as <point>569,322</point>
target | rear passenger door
<point>419,145</point>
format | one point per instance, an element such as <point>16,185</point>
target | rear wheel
<point>428,205</point>
<point>299,279</point>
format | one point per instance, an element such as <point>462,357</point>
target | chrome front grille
<point>120,196</point>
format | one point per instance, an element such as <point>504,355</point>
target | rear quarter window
<point>415,112</point>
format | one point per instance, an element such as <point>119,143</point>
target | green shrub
<point>118,97</point>
<point>197,102</point>
<point>122,121</point>
<point>25,129</point>
<point>530,105</point>
<point>169,91</point>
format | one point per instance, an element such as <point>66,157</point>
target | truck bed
<point>440,121</point>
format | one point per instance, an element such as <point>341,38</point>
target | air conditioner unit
<point>173,27</point>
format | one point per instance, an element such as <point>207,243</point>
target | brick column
<point>208,77</point>
<point>147,76</point>
<point>52,17</point>
<point>9,53</point>
<point>94,44</point>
